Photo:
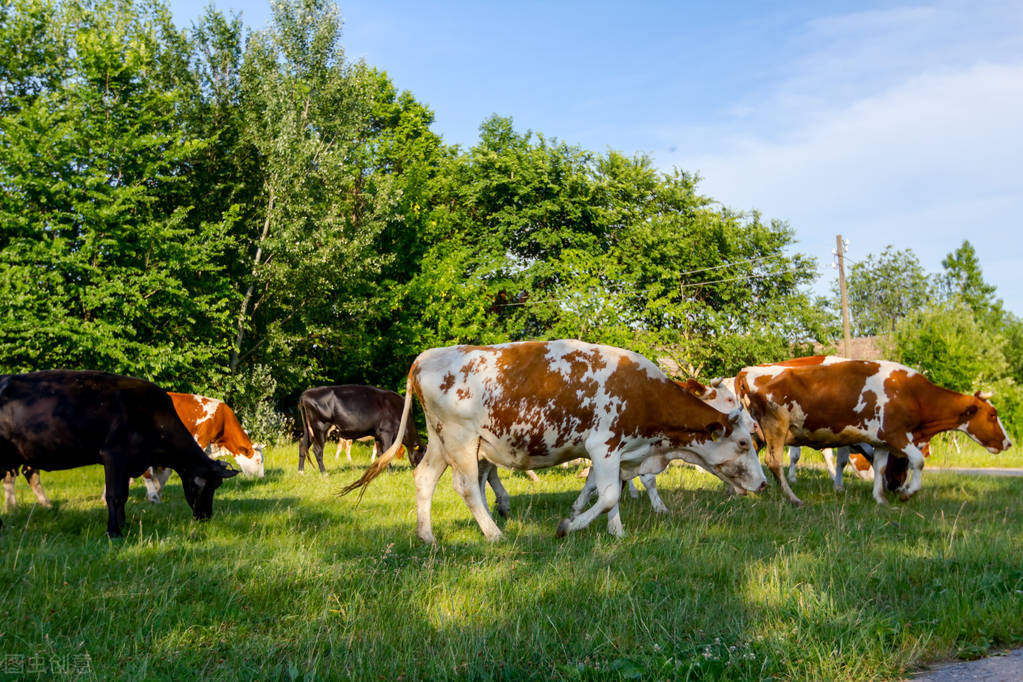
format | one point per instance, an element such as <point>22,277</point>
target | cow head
<point>979,420</point>
<point>253,465</point>
<point>730,454</point>
<point>200,483</point>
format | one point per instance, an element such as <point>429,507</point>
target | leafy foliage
<point>946,342</point>
<point>884,289</point>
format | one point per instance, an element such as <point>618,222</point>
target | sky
<point>887,123</point>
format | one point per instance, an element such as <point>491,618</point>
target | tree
<point>884,289</point>
<point>102,266</point>
<point>946,342</point>
<point>317,205</point>
<point>532,238</point>
<point>963,279</point>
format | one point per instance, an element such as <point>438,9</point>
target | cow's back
<point>60,419</point>
<point>540,397</point>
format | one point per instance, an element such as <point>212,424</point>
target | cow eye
<point>744,443</point>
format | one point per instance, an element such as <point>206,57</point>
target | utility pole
<point>840,252</point>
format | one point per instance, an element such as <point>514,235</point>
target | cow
<point>833,402</point>
<point>61,419</point>
<point>354,411</point>
<point>216,429</point>
<point>534,404</point>
<point>32,476</point>
<point>718,395</point>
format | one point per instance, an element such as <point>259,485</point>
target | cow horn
<point>985,395</point>
<point>716,381</point>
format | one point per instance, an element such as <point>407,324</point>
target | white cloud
<point>883,143</point>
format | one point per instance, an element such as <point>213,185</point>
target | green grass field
<point>288,581</point>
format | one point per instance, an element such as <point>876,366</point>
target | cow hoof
<point>300,472</point>
<point>839,489</point>
<point>796,502</point>
<point>562,529</point>
<point>502,512</point>
<point>904,496</point>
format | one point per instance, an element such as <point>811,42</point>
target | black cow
<point>61,419</point>
<point>355,411</point>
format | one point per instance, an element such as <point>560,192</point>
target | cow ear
<point>715,432</point>
<point>969,412</point>
<point>223,470</point>
<point>695,387</point>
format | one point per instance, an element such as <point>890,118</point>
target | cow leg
<point>346,445</point>
<point>318,451</point>
<point>880,464</point>
<point>116,495</point>
<point>10,501</point>
<point>630,486</point>
<point>426,476</point>
<point>32,476</point>
<point>841,459</point>
<point>650,483</point>
<point>774,454</point>
<point>502,500</point>
<point>829,462</point>
<point>794,453</point>
<point>465,479</point>
<point>916,471</point>
<point>605,472</point>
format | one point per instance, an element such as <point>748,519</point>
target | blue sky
<point>889,123</point>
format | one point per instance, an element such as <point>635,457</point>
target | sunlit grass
<point>288,580</point>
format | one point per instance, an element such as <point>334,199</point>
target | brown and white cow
<point>719,395</point>
<point>830,402</point>
<point>217,430</point>
<point>534,404</point>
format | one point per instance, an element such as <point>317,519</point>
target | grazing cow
<point>718,395</point>
<point>354,411</point>
<point>216,429</point>
<point>837,402</point>
<point>62,419</point>
<point>32,476</point>
<point>535,404</point>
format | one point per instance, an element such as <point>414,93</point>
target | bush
<point>946,343</point>
<point>252,400</point>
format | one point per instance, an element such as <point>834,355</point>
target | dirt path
<point>1007,667</point>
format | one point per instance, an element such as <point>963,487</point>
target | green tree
<point>317,205</point>
<point>947,343</point>
<point>963,278</point>
<point>532,238</point>
<point>884,289</point>
<point>101,265</point>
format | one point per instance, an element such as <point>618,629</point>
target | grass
<point>287,581</point>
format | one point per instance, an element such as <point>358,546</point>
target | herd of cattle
<point>525,405</point>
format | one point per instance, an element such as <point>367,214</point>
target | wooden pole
<point>840,252</point>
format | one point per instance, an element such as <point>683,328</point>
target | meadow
<point>289,581</point>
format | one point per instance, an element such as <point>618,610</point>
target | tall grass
<point>288,581</point>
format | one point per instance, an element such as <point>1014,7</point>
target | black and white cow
<point>62,419</point>
<point>353,411</point>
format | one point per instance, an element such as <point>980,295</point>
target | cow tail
<point>384,460</point>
